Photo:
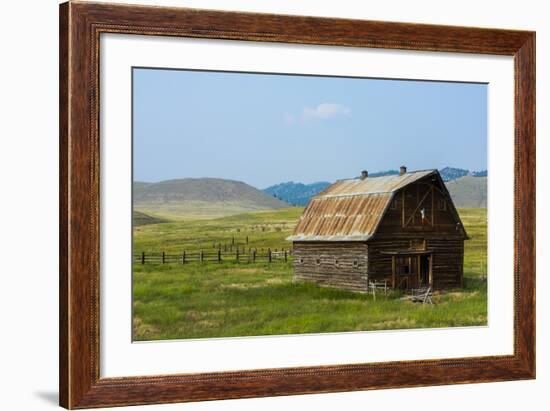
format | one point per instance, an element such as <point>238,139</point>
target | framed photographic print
<point>258,205</point>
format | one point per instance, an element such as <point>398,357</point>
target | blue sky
<point>265,129</point>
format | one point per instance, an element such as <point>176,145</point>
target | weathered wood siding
<point>380,265</point>
<point>335,264</point>
<point>448,262</point>
<point>403,223</point>
<point>447,259</point>
<point>404,219</point>
<point>421,216</point>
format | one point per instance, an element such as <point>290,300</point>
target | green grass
<point>228,299</point>
<point>140,218</point>
<point>265,229</point>
<point>198,210</point>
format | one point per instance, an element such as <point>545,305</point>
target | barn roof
<point>351,210</point>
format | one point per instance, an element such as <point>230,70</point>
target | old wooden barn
<point>402,229</point>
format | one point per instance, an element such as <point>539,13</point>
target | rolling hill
<point>468,191</point>
<point>140,218</point>
<point>200,198</point>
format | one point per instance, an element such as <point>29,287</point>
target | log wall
<point>380,265</point>
<point>448,262</point>
<point>447,259</point>
<point>334,264</point>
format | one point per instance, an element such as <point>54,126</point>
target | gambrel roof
<point>351,210</point>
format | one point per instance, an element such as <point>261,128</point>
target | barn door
<point>425,268</point>
<point>405,272</point>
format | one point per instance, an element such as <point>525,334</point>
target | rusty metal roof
<point>351,210</point>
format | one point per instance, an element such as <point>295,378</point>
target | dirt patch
<point>194,315</point>
<point>242,286</point>
<point>248,285</point>
<point>241,271</point>
<point>276,281</point>
<point>208,324</point>
<point>143,330</point>
<point>455,296</point>
<point>395,324</point>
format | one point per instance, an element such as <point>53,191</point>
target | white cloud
<point>325,111</point>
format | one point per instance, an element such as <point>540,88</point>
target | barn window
<point>318,261</point>
<point>417,244</point>
<point>393,204</point>
<point>403,265</point>
<point>336,262</point>
<point>355,263</point>
<point>442,204</point>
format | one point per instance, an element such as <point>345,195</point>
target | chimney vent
<point>364,174</point>
<point>402,170</point>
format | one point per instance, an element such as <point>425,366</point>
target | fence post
<point>246,239</point>
<point>183,257</point>
<point>237,254</point>
<point>201,256</point>
<point>269,254</point>
<point>143,257</point>
<point>285,257</point>
<point>219,256</point>
<point>254,256</point>
<point>163,257</point>
<point>233,240</point>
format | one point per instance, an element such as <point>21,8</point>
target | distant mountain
<point>296,193</point>
<point>468,191</point>
<point>384,173</point>
<point>450,173</point>
<point>447,173</point>
<point>200,197</point>
<point>482,173</point>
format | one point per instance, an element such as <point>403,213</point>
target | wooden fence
<point>219,256</point>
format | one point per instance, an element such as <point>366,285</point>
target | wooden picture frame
<point>80,27</point>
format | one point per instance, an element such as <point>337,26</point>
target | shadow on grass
<point>475,283</point>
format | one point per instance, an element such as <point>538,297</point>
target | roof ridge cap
<point>387,175</point>
<point>353,194</point>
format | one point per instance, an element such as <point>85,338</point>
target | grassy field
<point>229,299</point>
